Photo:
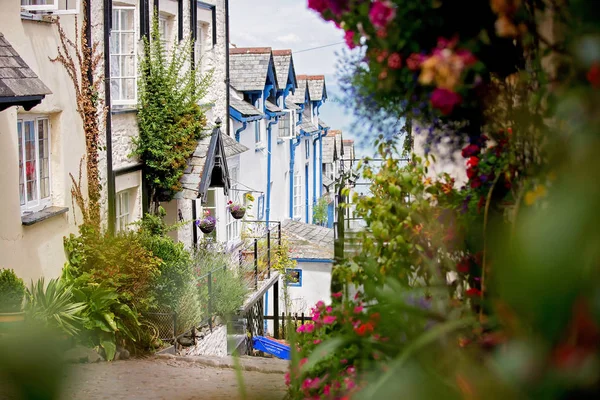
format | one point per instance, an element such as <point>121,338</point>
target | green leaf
<point>110,348</point>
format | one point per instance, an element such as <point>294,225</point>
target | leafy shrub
<point>228,289</point>
<point>320,211</point>
<point>12,291</point>
<point>54,306</point>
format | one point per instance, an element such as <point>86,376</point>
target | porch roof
<point>308,241</point>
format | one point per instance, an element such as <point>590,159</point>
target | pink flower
<point>350,384</point>
<point>329,309</point>
<point>320,304</point>
<point>358,309</point>
<point>467,57</point>
<point>349,37</point>
<point>445,100</point>
<point>336,295</point>
<point>338,7</point>
<point>327,390</point>
<point>414,61</point>
<point>382,12</point>
<point>351,370</point>
<point>303,361</point>
<point>316,316</point>
<point>395,61</point>
<point>301,328</point>
<point>318,5</point>
<point>316,341</point>
<point>357,296</point>
<point>329,320</point>
<point>343,361</point>
<point>308,328</point>
<point>287,379</point>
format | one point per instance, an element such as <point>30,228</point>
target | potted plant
<point>237,210</point>
<point>12,292</point>
<point>208,223</point>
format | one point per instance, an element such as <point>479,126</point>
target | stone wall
<point>211,344</point>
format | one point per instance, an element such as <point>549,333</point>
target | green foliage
<point>320,211</point>
<point>12,291</point>
<point>227,287</point>
<point>54,306</point>
<point>170,119</point>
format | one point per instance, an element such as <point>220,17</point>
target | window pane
<point>128,89</point>
<point>21,172</point>
<point>115,19</point>
<point>127,20</point>
<point>127,44</point>
<point>115,43</point>
<point>127,66</point>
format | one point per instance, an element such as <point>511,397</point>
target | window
<point>34,163</point>
<point>51,6</point>
<point>284,126</point>
<point>307,148</point>
<point>258,135</point>
<point>294,277</point>
<point>328,170</point>
<point>232,224</point>
<point>211,206</point>
<point>122,210</point>
<point>261,207</point>
<point>164,24</point>
<point>297,195</point>
<point>198,48</point>
<point>123,55</point>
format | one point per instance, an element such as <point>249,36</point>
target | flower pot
<point>9,321</point>
<point>238,214</point>
<point>207,228</point>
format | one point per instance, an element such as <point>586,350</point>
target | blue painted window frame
<point>307,148</point>
<point>293,270</point>
<point>261,207</point>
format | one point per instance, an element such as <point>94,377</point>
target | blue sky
<point>289,24</point>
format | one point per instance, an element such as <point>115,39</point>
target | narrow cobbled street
<point>172,379</point>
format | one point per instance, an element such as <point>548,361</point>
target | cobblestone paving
<point>171,379</point>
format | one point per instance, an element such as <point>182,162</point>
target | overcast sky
<point>289,24</point>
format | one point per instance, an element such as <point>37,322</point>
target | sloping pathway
<point>175,378</point>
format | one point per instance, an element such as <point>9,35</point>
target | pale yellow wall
<point>37,250</point>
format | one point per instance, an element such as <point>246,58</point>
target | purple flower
<point>445,100</point>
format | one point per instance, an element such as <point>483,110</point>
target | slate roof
<point>307,126</point>
<point>248,67</point>
<point>338,143</point>
<point>328,149</point>
<point>194,172</point>
<point>316,87</point>
<point>327,181</point>
<point>245,108</point>
<point>272,107</point>
<point>308,241</point>
<point>323,124</point>
<point>283,61</point>
<point>232,148</point>
<point>18,83</point>
<point>299,96</point>
<point>290,105</point>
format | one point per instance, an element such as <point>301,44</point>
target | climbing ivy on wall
<point>170,119</point>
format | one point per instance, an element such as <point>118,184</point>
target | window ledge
<point>122,109</point>
<point>48,18</point>
<point>34,218</point>
<point>260,147</point>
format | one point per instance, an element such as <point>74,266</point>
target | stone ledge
<point>34,218</point>
<point>256,364</point>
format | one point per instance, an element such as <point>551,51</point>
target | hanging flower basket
<point>207,224</point>
<point>237,210</point>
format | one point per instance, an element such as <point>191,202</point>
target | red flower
<point>382,12</point>
<point>475,183</point>
<point>381,56</point>
<point>467,57</point>
<point>395,61</point>
<point>414,61</point>
<point>473,292</point>
<point>382,33</point>
<point>445,100</point>
<point>364,329</point>
<point>472,162</point>
<point>480,203</point>
<point>470,151</point>
<point>349,37</point>
<point>593,75</point>
<point>463,265</point>
<point>318,5</point>
<point>471,172</point>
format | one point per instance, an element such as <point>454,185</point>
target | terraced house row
<point>267,135</point>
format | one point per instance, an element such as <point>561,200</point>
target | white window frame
<point>232,225</point>
<point>328,170</point>
<point>134,54</point>
<point>123,219</point>
<point>38,203</point>
<point>297,195</point>
<point>164,30</point>
<point>259,135</point>
<point>53,8</point>
<point>307,149</point>
<point>287,131</point>
<point>198,44</point>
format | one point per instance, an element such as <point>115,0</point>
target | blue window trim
<point>295,284</point>
<point>261,207</point>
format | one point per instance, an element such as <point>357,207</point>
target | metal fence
<point>255,256</point>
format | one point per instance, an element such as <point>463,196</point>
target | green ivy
<point>170,119</point>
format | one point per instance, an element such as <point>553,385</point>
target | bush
<point>54,306</point>
<point>12,291</point>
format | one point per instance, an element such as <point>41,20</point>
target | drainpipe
<point>268,210</point>
<point>238,131</point>
<point>227,80</point>
<point>108,122</point>
<point>315,171</point>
